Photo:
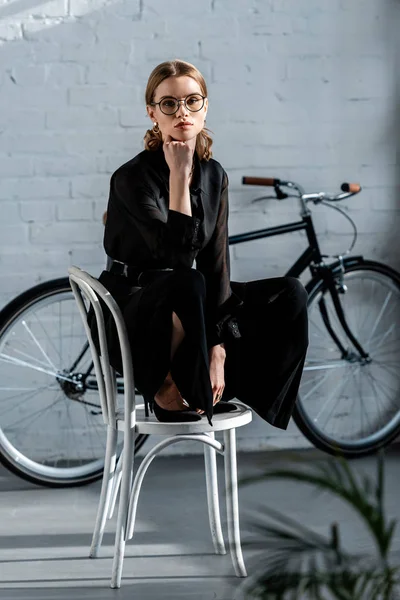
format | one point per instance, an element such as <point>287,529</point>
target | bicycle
<point>46,370</point>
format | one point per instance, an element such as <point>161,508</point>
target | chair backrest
<point>85,286</point>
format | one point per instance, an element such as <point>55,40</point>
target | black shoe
<point>171,416</point>
<point>223,407</point>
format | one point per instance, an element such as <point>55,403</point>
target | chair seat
<point>149,425</point>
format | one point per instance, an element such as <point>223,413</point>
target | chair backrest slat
<point>85,285</point>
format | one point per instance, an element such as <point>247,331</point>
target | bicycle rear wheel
<point>51,427</point>
<point>348,405</point>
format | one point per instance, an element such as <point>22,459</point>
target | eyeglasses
<point>170,105</point>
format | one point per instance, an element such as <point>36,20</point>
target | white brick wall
<point>299,89</point>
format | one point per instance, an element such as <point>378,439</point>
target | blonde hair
<point>176,68</point>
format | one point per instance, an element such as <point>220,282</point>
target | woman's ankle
<point>168,396</point>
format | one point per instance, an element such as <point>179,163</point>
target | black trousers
<point>263,367</point>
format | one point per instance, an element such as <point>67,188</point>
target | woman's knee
<point>297,292</point>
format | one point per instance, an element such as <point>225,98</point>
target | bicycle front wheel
<point>51,426</point>
<point>348,405</point>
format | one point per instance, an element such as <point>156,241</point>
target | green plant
<point>296,563</point>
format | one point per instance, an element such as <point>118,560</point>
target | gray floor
<point>45,534</point>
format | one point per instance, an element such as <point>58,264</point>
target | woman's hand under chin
<point>179,155</point>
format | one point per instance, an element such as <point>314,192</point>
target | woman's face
<point>178,88</point>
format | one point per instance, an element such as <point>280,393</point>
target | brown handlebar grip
<point>105,218</point>
<point>267,181</point>
<point>353,188</point>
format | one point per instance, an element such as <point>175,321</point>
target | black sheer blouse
<point>142,231</point>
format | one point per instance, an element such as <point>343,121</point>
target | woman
<point>196,337</point>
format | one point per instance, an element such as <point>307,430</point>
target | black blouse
<point>141,230</point>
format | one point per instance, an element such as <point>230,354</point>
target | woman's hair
<point>176,68</point>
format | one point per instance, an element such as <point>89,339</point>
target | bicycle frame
<point>313,259</point>
<point>310,256</point>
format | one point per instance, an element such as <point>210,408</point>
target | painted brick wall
<point>298,89</point>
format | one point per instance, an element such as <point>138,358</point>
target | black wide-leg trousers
<point>263,367</point>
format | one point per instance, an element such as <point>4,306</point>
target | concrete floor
<point>45,534</point>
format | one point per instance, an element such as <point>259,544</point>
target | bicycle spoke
<point>24,400</point>
<point>60,337</point>
<point>72,323</point>
<point>390,347</point>
<point>35,414</point>
<point>322,366</point>
<point>99,435</point>
<point>361,402</point>
<point>377,341</point>
<point>22,363</point>
<point>311,381</point>
<point>385,383</point>
<point>16,389</point>
<point>391,369</point>
<point>377,398</point>
<point>47,336</point>
<point>26,355</point>
<point>320,332</point>
<point>350,402</point>
<point>331,396</point>
<point>30,332</point>
<point>72,428</point>
<point>316,387</point>
<point>379,317</point>
<point>361,320</point>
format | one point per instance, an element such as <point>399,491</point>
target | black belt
<point>135,275</point>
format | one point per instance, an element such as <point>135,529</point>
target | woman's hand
<point>217,356</point>
<point>217,374</point>
<point>179,155</point>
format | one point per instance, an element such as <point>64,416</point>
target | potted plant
<point>293,562</point>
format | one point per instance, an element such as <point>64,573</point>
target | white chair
<point>131,420</point>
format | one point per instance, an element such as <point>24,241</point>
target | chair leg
<point>121,531</point>
<point>232,502</point>
<point>118,469</point>
<point>116,485</point>
<point>106,490</point>
<point>210,463</point>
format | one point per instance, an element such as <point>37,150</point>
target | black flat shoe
<point>223,407</point>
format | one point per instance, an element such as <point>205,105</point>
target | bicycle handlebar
<point>265,181</point>
<point>354,188</point>
<point>349,189</point>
